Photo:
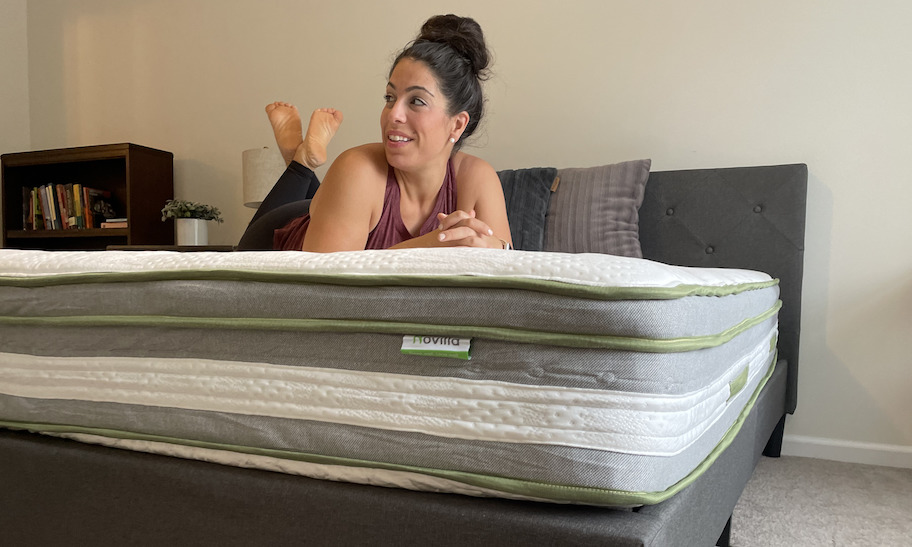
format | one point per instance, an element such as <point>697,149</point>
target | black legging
<point>288,199</point>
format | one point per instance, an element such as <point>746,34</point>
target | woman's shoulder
<point>364,158</point>
<point>361,168</point>
<point>468,168</point>
<point>356,181</point>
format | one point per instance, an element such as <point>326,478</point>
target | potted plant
<point>190,220</point>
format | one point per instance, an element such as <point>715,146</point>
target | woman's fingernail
<point>490,232</point>
<point>442,237</point>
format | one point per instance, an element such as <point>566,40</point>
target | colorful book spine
<point>87,208</point>
<point>63,214</point>
<point>44,195</point>
<point>26,208</point>
<point>37,215</point>
<point>53,207</point>
<point>77,205</point>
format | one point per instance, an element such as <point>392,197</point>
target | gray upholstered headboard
<point>746,217</point>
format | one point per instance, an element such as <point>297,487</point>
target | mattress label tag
<point>437,346</point>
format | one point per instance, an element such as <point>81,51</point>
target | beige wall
<point>689,84</point>
<point>14,98</point>
<point>14,90</point>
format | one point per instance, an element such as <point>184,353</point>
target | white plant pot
<point>191,231</point>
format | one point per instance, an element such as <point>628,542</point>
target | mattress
<point>570,378</point>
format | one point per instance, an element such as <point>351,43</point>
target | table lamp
<point>262,168</point>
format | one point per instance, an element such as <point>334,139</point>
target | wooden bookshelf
<point>140,180</point>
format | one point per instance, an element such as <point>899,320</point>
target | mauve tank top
<point>390,229</point>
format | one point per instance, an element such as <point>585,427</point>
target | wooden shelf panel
<point>77,154</point>
<point>84,232</point>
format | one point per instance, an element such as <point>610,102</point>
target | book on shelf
<point>26,208</point>
<point>49,208</point>
<point>114,223</point>
<point>63,213</point>
<point>37,217</point>
<point>50,214</point>
<point>54,200</point>
<point>45,212</point>
<point>70,207</point>
<point>76,191</point>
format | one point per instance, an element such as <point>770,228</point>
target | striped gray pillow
<point>596,209</point>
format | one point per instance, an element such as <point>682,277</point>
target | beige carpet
<point>807,502</point>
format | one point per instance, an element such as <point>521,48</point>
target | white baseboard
<point>847,451</point>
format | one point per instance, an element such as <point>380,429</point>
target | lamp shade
<point>262,168</point>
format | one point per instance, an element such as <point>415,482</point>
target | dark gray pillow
<point>527,193</point>
<point>596,209</point>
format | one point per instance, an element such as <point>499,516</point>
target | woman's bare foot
<point>286,124</point>
<point>324,122</point>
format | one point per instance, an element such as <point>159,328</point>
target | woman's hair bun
<point>463,34</point>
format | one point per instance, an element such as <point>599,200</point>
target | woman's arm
<point>348,203</point>
<point>479,190</point>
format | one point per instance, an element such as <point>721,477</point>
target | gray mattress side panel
<point>491,360</point>
<point>486,307</point>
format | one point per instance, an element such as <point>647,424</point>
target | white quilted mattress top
<point>580,269</point>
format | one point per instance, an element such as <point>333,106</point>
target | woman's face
<point>415,123</point>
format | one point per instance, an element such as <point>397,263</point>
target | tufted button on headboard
<point>745,217</point>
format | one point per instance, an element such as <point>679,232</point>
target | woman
<point>413,189</point>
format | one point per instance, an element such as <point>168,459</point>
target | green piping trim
<point>667,345</point>
<point>354,280</point>
<point>535,489</point>
<point>464,355</point>
<point>736,385</point>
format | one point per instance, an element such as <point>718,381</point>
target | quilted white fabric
<point>579,269</point>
